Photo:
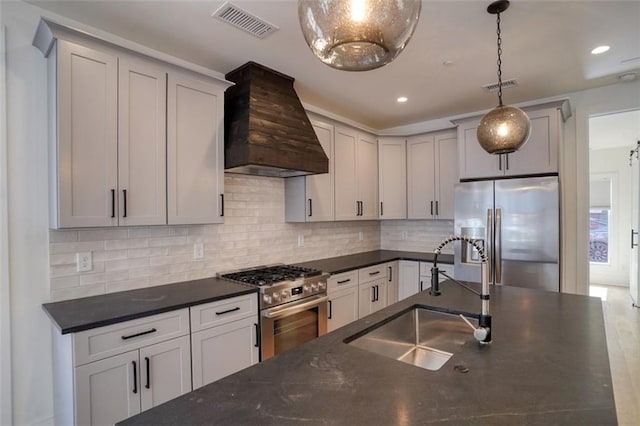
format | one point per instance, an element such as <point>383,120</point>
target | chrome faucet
<point>482,333</point>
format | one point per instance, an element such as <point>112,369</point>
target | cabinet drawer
<point>223,311</point>
<point>98,343</point>
<point>342,281</point>
<point>372,273</point>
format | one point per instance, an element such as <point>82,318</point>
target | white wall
<point>615,164</point>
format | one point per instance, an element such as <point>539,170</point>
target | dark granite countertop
<point>335,265</point>
<point>75,315</point>
<point>547,365</point>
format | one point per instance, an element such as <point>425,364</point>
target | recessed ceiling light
<point>600,49</point>
<point>402,99</point>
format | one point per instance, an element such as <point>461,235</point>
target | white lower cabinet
<point>224,338</point>
<point>408,278</point>
<point>220,351</point>
<point>342,290</point>
<point>372,297</point>
<point>392,282</point>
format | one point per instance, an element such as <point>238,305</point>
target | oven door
<point>288,326</point>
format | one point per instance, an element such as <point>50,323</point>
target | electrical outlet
<point>84,262</point>
<point>360,236</point>
<point>300,240</point>
<point>198,251</point>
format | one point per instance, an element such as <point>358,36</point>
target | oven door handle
<point>278,312</point>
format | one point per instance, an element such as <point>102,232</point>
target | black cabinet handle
<point>437,208</point>
<point>146,360</point>
<point>221,205</point>
<point>361,208</point>
<point>357,208</point>
<point>431,208</point>
<point>135,377</point>
<point>344,281</point>
<point>237,308</point>
<point>142,333</point>
<point>499,161</point>
<point>373,295</point>
<point>420,285</point>
<point>257,345</point>
<point>381,209</point>
<point>507,160</point>
<point>330,310</point>
<point>632,234</point>
<point>390,273</point>
<point>373,273</point>
<point>113,203</point>
<point>310,207</point>
<point>377,293</point>
<point>124,198</point>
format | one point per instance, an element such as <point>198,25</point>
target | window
<point>599,235</point>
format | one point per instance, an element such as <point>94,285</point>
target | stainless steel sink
<point>422,337</point>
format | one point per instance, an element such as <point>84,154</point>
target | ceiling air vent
<point>244,20</point>
<point>506,84</point>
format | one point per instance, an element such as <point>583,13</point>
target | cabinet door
<point>540,153</point>
<point>195,142</point>
<point>392,173</point>
<point>447,175</point>
<point>408,278</point>
<point>421,177</point>
<point>165,371</point>
<point>142,143</point>
<point>367,176</point>
<point>474,161</point>
<point>108,390</point>
<point>372,297</point>
<point>392,282</point>
<point>343,308</point>
<point>220,351</point>
<point>87,137</point>
<point>319,201</point>
<point>345,174</point>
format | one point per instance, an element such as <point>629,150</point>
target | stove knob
<point>267,299</point>
<point>276,297</point>
<point>284,295</point>
<point>314,286</point>
<point>322,286</point>
<point>306,288</point>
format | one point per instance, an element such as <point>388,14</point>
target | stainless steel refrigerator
<point>518,221</point>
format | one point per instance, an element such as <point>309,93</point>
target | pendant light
<point>358,35</point>
<point>504,129</point>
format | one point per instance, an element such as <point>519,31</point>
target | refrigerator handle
<point>498,246</point>
<point>487,246</point>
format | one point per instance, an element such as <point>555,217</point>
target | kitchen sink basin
<point>420,336</point>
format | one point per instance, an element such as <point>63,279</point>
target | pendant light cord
<point>499,62</point>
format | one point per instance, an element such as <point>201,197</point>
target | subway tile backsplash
<point>254,233</point>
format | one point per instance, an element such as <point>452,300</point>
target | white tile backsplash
<point>415,235</point>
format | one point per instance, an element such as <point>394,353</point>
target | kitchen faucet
<point>482,333</point>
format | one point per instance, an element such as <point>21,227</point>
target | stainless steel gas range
<point>293,304</point>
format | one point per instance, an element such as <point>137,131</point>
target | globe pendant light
<point>358,35</point>
<point>504,129</point>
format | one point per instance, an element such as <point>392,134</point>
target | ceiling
<point>546,47</point>
<point>615,130</point>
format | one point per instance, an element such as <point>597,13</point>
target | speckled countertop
<point>547,365</point>
<point>90,312</point>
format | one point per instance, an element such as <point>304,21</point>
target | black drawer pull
<point>374,273</point>
<point>135,377</point>
<point>142,333</point>
<point>344,281</point>
<point>148,362</point>
<point>228,310</point>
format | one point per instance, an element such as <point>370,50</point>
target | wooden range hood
<point>267,131</point>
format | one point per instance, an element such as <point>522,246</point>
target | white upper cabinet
<point>195,144</point>
<point>310,198</point>
<point>432,173</point>
<point>84,165</point>
<point>129,145</point>
<point>392,175</point>
<point>538,156</point>
<point>142,154</point>
<point>356,175</point>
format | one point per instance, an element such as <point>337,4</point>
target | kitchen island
<point>548,364</point>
